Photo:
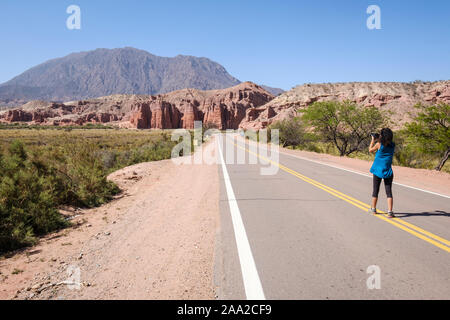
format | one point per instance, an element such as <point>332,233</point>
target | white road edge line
<point>250,277</point>
<point>360,173</point>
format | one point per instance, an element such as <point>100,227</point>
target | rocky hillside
<point>394,96</point>
<point>246,105</point>
<point>225,108</point>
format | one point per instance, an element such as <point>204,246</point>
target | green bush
<point>83,176</point>
<point>429,132</point>
<point>27,199</point>
<point>292,132</point>
<point>51,168</point>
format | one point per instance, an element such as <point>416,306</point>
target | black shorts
<point>387,186</point>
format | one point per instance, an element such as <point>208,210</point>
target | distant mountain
<point>113,71</point>
<point>274,91</point>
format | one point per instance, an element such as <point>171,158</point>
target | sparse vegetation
<point>423,143</point>
<point>25,125</point>
<point>40,170</point>
<point>16,271</point>
<point>292,132</point>
<point>429,133</point>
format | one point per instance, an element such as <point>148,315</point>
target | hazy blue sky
<point>280,43</point>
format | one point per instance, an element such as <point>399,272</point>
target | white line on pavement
<point>360,173</point>
<point>252,283</point>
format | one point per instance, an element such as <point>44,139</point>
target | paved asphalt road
<point>298,239</point>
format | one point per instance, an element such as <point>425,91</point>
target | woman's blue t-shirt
<point>382,165</point>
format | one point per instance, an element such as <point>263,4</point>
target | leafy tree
<point>291,132</point>
<point>430,131</point>
<point>345,124</point>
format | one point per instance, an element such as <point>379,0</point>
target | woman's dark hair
<point>386,136</point>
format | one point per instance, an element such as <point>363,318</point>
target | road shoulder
<point>156,241</point>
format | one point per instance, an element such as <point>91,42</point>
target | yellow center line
<point>399,223</point>
<point>367,206</point>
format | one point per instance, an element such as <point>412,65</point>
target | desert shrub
<point>109,158</point>
<point>83,174</point>
<point>27,199</point>
<point>292,132</point>
<point>313,147</point>
<point>25,125</point>
<point>153,151</point>
<point>51,168</point>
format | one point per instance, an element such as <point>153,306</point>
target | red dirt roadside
<point>155,242</point>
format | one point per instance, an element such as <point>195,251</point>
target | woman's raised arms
<point>374,146</point>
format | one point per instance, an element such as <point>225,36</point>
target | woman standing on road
<point>381,168</point>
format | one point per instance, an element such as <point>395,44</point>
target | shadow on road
<point>425,214</point>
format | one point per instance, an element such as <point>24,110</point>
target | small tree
<point>430,131</point>
<point>344,124</point>
<point>291,132</point>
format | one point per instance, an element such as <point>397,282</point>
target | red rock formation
<point>224,108</point>
<point>179,109</point>
<point>244,106</point>
<point>141,116</point>
<point>155,114</point>
<point>214,115</point>
<point>18,115</point>
<point>162,114</point>
<point>190,114</point>
<point>440,94</point>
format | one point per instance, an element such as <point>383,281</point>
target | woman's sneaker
<point>373,210</point>
<point>390,214</point>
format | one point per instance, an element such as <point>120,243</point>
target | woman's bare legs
<point>374,202</point>
<point>390,202</point>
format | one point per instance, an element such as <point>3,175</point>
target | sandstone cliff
<point>246,105</point>
<point>394,96</point>
<point>224,108</point>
